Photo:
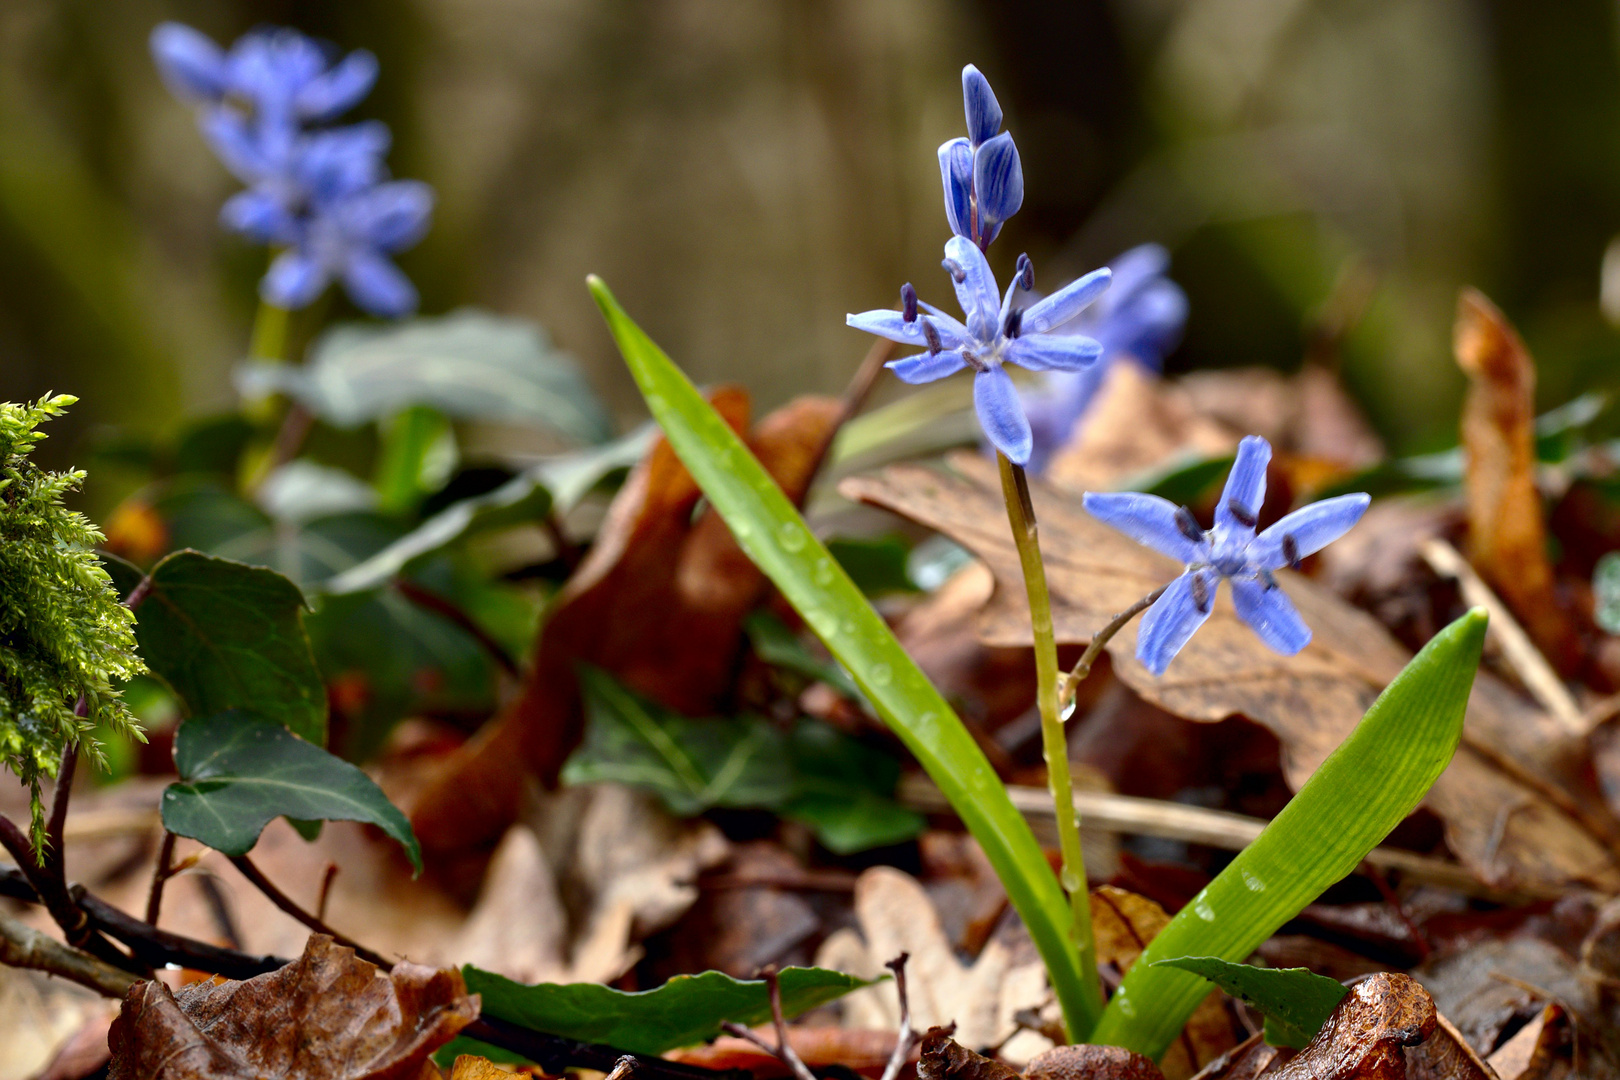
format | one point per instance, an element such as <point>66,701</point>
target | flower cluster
<point>1231,551</point>
<point>1139,319</point>
<point>984,186</point>
<point>321,195</point>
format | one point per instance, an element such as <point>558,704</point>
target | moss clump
<point>64,636</point>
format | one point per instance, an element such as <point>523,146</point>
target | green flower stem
<point>269,333</point>
<point>1054,743</point>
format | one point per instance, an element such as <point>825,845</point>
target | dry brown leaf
<point>864,1051</point>
<point>1507,537</point>
<point>658,602</point>
<point>1136,423</point>
<point>1122,925</point>
<point>1092,1063</point>
<point>1368,1033</point>
<point>325,1016</point>
<point>1504,829</point>
<point>1534,1053</point>
<point>471,1067</point>
<point>943,1058</point>
<point>1251,1058</point>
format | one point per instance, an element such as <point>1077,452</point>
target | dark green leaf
<point>688,1009</point>
<point>213,444</point>
<point>469,365</point>
<point>780,647</point>
<point>842,791</point>
<point>877,566</point>
<point>228,636</point>
<point>1184,483</point>
<point>1296,1001</point>
<point>239,772</point>
<point>1606,593</point>
<point>125,574</point>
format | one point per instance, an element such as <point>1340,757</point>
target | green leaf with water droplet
<point>812,581</point>
<point>1365,788</point>
<point>1296,1002</point>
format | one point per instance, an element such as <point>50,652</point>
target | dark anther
<point>1014,324</point>
<point>1240,513</point>
<point>1200,593</point>
<point>908,303</point>
<point>1290,549</point>
<point>1026,273</point>
<point>1189,525</point>
<point>932,337</point>
<point>955,269</point>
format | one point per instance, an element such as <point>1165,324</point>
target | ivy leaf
<point>225,635</point>
<point>687,1009</point>
<point>1296,1001</point>
<point>813,774</point>
<point>780,647</point>
<point>238,772</point>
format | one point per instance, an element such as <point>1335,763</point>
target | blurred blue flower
<point>322,195</point>
<point>998,331</point>
<point>981,174</point>
<point>1230,551</point>
<point>1140,319</point>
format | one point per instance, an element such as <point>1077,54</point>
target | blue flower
<point>981,174</point>
<point>273,74</point>
<point>1230,551</point>
<point>997,332</point>
<point>1139,318</point>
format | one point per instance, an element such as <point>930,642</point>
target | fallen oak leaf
<point>325,1016</point>
<point>1367,1035</point>
<point>1091,1063</point>
<point>1504,822</point>
<point>943,1058</point>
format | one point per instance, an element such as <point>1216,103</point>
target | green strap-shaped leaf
<point>687,1009</point>
<point>225,635</point>
<point>776,538</point>
<point>1363,790</point>
<point>1296,1001</point>
<point>239,772</point>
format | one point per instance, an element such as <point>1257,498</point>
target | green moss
<point>63,633</point>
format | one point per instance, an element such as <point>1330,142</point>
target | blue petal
<point>269,67</point>
<point>1001,414</point>
<point>1173,619</point>
<point>926,367</point>
<point>1246,486</point>
<point>1147,519</point>
<point>979,101</point>
<point>336,91</point>
<point>888,323</point>
<point>956,174</point>
<point>1271,615</point>
<point>1055,408</point>
<point>338,162</point>
<point>1308,529</point>
<point>378,286</point>
<point>1066,303</point>
<point>248,150</point>
<point>192,66</point>
<point>1053,352</point>
<point>294,280</point>
<point>1147,325</point>
<point>258,214</point>
<point>998,180</point>
<point>976,292</point>
<point>390,217</point>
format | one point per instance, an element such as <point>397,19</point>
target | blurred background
<point>744,174</point>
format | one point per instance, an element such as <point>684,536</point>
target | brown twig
<point>429,600</point>
<point>622,1068</point>
<point>907,1038</point>
<point>53,893</point>
<point>160,877</point>
<point>59,801</point>
<point>22,946</point>
<point>286,903</point>
<point>1101,638</point>
<point>783,1050</point>
<point>568,552</point>
<point>326,889</point>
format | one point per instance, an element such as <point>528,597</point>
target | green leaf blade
<point>1366,787</point>
<point>776,538</point>
<point>239,772</point>
<point>1296,1001</point>
<point>686,1010</point>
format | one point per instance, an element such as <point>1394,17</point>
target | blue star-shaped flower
<point>998,332</point>
<point>1230,551</point>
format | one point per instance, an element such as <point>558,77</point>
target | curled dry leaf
<point>1367,1035</point>
<point>657,603</point>
<point>1506,830</point>
<point>325,1016</point>
<point>1091,1063</point>
<point>943,1058</point>
<point>1507,536</point>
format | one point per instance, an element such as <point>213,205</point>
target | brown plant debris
<point>1091,1063</point>
<point>1366,1037</point>
<point>325,1016</point>
<point>943,1058</point>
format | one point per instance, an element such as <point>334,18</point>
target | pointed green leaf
<point>239,772</point>
<point>1296,1002</point>
<point>688,1009</point>
<point>776,538</point>
<point>1364,789</point>
<point>225,635</point>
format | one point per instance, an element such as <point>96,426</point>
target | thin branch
<point>907,1038</point>
<point>783,1050</point>
<point>160,877</point>
<point>285,903</point>
<point>53,893</point>
<point>326,890</point>
<point>429,600</point>
<point>1100,639</point>
<point>59,801</point>
<point>22,946</point>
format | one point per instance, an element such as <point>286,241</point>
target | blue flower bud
<point>979,102</point>
<point>956,173</point>
<point>1026,273</point>
<point>998,180</point>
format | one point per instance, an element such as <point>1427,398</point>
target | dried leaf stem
<point>286,903</point>
<point>783,1050</point>
<point>907,1039</point>
<point>160,877</point>
<point>1054,740</point>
